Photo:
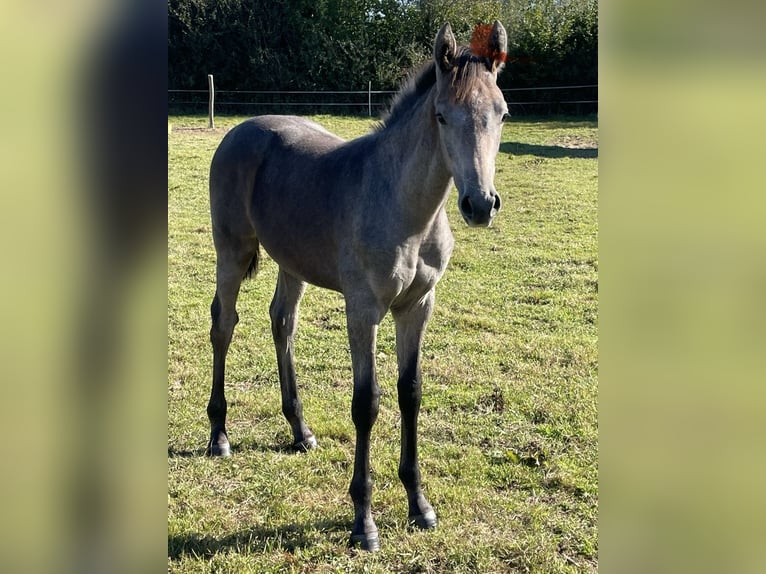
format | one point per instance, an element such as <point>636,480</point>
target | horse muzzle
<point>478,210</point>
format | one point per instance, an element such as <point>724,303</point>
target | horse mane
<point>465,74</point>
<point>412,89</point>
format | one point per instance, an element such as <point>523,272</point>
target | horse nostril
<point>466,207</point>
<point>497,203</point>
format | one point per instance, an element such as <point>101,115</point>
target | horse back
<point>269,179</point>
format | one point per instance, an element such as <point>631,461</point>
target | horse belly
<point>320,275</point>
<point>298,234</point>
<point>307,255</point>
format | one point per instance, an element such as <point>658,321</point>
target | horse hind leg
<point>284,321</point>
<point>230,271</point>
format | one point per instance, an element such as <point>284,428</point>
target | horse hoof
<point>368,542</point>
<point>425,521</point>
<point>218,450</point>
<point>309,443</point>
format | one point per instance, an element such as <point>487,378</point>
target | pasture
<point>508,428</point>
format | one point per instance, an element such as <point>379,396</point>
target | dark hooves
<point>307,444</point>
<point>425,521</point>
<point>218,449</point>
<point>368,542</point>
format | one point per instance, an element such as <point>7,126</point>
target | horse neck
<point>413,164</point>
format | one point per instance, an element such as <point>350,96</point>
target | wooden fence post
<point>211,101</point>
<point>369,98</point>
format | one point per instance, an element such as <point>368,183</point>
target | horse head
<point>470,110</point>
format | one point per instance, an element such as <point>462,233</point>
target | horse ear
<point>445,48</point>
<point>498,45</point>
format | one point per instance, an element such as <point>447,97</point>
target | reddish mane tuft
<point>480,44</point>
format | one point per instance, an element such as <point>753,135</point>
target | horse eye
<point>440,119</point>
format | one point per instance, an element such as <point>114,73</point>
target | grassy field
<point>508,428</point>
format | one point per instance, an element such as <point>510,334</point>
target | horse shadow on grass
<point>184,453</point>
<point>548,151</point>
<point>285,448</point>
<point>289,538</point>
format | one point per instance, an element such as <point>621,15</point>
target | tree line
<point>343,44</point>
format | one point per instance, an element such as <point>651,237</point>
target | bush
<point>344,44</point>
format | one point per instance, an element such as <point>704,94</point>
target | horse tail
<point>252,268</point>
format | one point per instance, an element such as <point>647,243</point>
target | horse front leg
<point>410,327</point>
<point>364,411</point>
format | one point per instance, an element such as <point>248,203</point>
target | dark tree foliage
<point>552,42</point>
<point>343,44</point>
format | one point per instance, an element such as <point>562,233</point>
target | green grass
<point>508,428</point>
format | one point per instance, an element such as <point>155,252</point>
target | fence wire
<point>546,100</point>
